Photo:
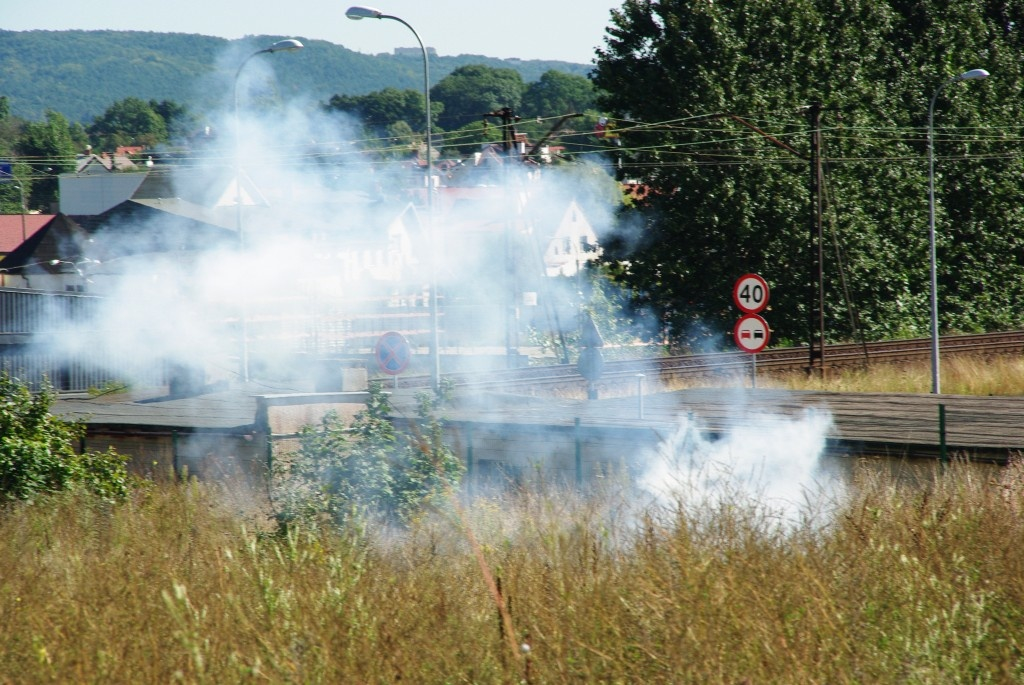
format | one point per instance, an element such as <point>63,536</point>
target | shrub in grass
<point>37,450</point>
<point>367,469</point>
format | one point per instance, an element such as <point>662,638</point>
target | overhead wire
<point>708,141</point>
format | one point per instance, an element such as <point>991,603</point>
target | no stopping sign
<point>393,353</point>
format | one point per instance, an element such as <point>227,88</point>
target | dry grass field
<point>962,375</point>
<point>902,581</point>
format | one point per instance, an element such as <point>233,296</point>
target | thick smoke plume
<point>771,463</point>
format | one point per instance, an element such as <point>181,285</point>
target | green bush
<point>37,450</point>
<point>369,468</point>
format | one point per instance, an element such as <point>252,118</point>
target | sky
<point>525,29</point>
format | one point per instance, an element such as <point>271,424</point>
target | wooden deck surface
<point>897,424</point>
<point>878,423</point>
<point>986,427</point>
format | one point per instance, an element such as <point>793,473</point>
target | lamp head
<point>358,12</point>
<point>973,74</point>
<point>288,45</point>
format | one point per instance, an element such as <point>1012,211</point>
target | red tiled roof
<point>11,229</point>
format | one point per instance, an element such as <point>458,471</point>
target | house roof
<point>41,247</point>
<point>13,232</point>
<point>130,228</point>
<point>224,410</point>
<point>95,163</point>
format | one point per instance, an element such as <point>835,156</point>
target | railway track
<point>619,376</point>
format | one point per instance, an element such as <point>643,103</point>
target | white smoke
<point>771,463</point>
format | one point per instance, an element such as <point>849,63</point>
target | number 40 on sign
<point>750,293</point>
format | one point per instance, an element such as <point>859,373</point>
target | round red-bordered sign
<point>751,333</point>
<point>393,353</point>
<point>750,293</point>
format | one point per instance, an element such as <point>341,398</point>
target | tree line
<point>393,121</point>
<point>730,194</point>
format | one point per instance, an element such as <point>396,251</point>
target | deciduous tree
<point>558,93</point>
<point>712,103</point>
<point>48,149</point>
<point>130,121</point>
<point>471,91</point>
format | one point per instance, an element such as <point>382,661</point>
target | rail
<point>555,378</point>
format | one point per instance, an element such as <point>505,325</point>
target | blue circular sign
<point>393,353</point>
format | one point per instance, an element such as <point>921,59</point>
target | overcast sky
<point>568,30</point>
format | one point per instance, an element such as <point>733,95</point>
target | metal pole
<point>282,45</point>
<point>816,310</point>
<point>239,227</point>
<point>933,275</point>
<point>933,270</point>
<point>435,344</point>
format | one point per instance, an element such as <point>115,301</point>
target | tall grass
<point>906,582</point>
<point>911,577</point>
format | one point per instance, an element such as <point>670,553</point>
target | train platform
<point>882,424</point>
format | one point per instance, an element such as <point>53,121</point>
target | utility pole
<point>508,129</point>
<point>508,146</point>
<point>816,252</point>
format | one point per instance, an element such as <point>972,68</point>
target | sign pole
<point>751,332</point>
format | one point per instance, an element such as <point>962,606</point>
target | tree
<point>383,108</point>
<point>558,93</point>
<point>474,90</point>
<point>389,117</point>
<point>178,120</point>
<point>37,450</point>
<point>130,121</point>
<point>469,138</point>
<point>711,101</point>
<point>48,148</point>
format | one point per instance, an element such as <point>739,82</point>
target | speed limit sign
<point>750,293</point>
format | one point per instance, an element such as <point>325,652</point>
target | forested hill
<point>80,73</point>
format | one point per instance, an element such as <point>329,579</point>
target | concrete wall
<point>213,456</point>
<point>514,454</point>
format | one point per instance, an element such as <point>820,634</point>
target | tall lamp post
<point>287,45</point>
<point>357,13</point>
<point>971,75</point>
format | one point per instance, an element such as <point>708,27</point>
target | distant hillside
<point>80,73</point>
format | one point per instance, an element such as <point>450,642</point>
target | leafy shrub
<point>368,468</point>
<point>37,450</point>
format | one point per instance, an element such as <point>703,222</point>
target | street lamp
<point>357,13</point>
<point>287,45</point>
<point>973,74</point>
